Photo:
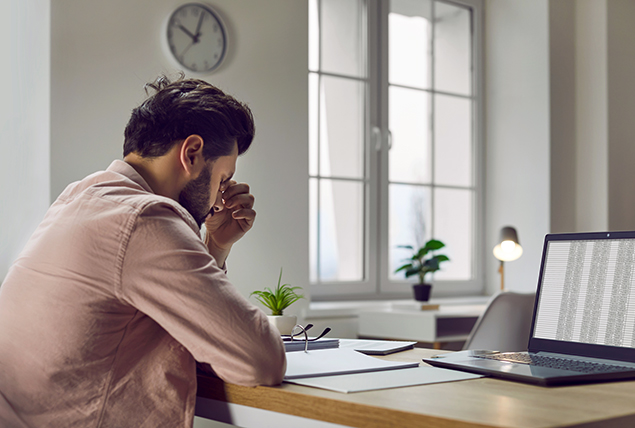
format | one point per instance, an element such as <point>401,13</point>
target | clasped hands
<point>228,225</point>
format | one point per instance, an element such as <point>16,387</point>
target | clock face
<point>196,37</point>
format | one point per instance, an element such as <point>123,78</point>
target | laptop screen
<point>587,291</point>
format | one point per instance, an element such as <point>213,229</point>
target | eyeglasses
<point>303,330</point>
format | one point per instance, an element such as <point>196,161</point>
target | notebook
<point>583,327</point>
<point>321,343</point>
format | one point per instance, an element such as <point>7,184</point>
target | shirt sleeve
<point>168,274</point>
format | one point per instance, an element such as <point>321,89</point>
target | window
<point>394,123</point>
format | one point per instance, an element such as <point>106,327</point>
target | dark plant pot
<point>422,292</point>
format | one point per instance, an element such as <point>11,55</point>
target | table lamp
<point>508,249</point>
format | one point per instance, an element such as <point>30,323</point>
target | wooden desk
<point>450,323</point>
<point>474,403</point>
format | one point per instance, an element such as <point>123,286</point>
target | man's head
<point>183,121</point>
<point>183,108</point>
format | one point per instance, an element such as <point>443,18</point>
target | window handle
<point>376,138</point>
<point>389,140</point>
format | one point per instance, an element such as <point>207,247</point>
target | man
<point>115,296</point>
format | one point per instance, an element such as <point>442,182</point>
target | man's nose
<point>218,204</point>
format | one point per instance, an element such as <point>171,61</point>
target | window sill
<point>350,309</point>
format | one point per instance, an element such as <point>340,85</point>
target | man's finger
<point>235,189</point>
<point>244,214</point>
<point>243,200</point>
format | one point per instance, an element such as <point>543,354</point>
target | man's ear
<point>191,155</point>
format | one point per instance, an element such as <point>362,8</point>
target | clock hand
<point>185,30</point>
<point>198,26</point>
<point>187,49</point>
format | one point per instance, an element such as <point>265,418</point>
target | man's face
<point>204,194</point>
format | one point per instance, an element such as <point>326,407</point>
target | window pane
<point>409,42</point>
<point>408,122</point>
<point>453,141</point>
<point>342,37</point>
<point>453,214</point>
<point>341,230</point>
<point>342,127</point>
<point>313,229</point>
<point>410,217</point>
<point>313,123</point>
<point>452,49</point>
<point>314,36</point>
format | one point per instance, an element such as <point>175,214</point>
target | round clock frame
<point>196,37</point>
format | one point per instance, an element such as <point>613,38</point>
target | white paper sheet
<point>384,379</point>
<point>326,362</point>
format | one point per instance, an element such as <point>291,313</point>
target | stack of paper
<point>321,343</point>
<point>385,379</point>
<point>326,362</point>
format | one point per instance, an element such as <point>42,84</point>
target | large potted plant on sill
<point>277,301</point>
<point>422,262</point>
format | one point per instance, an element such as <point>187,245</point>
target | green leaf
<point>406,266</point>
<point>412,271</point>
<point>433,245</point>
<point>431,265</point>
<point>422,252</point>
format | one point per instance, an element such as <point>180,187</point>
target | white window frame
<point>376,283</point>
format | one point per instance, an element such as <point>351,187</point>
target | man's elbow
<point>270,372</point>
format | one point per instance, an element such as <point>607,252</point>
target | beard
<point>195,196</point>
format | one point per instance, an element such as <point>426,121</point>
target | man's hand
<point>227,226</point>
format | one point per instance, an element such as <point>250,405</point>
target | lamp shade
<point>508,247</point>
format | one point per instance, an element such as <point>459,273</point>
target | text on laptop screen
<point>587,293</point>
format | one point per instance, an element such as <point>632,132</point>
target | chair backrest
<point>505,324</point>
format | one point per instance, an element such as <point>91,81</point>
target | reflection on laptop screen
<point>587,293</point>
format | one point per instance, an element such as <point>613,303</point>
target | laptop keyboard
<point>555,362</point>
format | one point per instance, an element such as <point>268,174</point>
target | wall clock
<point>197,37</point>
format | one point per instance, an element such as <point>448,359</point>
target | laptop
<point>583,326</point>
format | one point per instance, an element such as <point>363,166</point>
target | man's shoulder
<point>102,183</point>
<point>114,189</point>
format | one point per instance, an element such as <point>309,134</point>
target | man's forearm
<point>219,254</point>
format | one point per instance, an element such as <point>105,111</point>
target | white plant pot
<point>284,323</point>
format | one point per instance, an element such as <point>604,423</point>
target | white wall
<point>591,116</point>
<point>579,115</point>
<point>562,44</point>
<point>620,112</point>
<point>517,169</point>
<point>592,98</point>
<point>24,123</point>
<point>104,51</point>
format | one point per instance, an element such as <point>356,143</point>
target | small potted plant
<point>277,301</point>
<point>419,265</point>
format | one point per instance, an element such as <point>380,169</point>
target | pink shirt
<point>109,305</point>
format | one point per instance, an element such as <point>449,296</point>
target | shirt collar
<point>125,169</point>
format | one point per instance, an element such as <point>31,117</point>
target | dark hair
<point>185,107</point>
